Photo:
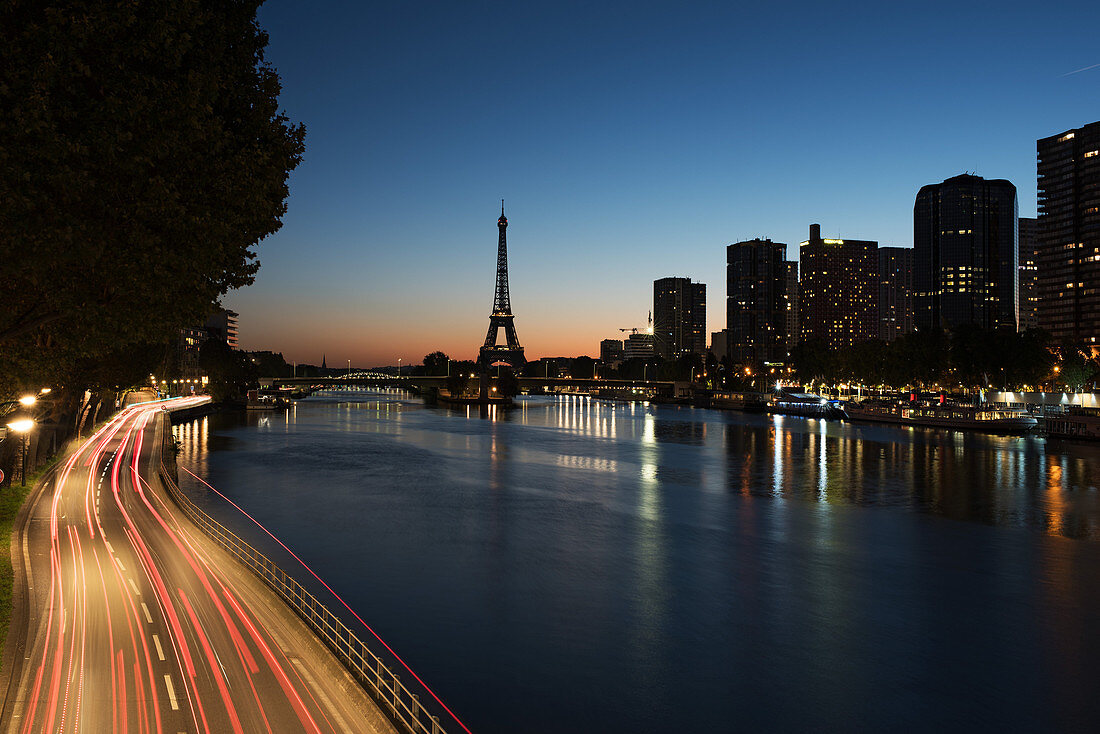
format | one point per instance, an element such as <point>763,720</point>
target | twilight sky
<point>631,141</point>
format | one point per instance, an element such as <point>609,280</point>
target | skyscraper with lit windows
<point>756,317</point>
<point>837,292</point>
<point>1069,235</point>
<point>679,317</point>
<point>966,254</point>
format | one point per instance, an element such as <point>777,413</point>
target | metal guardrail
<point>373,674</point>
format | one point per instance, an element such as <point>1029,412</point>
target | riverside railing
<point>373,674</point>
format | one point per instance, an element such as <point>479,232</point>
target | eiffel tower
<point>501,316</point>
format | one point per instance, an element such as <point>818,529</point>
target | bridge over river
<point>659,388</point>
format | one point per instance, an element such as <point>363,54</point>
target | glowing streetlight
<point>23,426</point>
<point>28,400</point>
<point>44,391</point>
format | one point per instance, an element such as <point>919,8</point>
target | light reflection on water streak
<point>675,553</point>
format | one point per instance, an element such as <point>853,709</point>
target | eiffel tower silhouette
<point>501,317</point>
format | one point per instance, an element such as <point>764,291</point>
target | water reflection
<point>630,557</point>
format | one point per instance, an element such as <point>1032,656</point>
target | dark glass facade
<point>837,293</point>
<point>756,316</point>
<point>679,317</point>
<point>895,292</point>
<point>966,254</point>
<point>1029,273</point>
<point>1069,235</point>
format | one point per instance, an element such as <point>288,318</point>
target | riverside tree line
<point>143,158</point>
<point>965,358</point>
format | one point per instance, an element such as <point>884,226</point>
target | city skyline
<point>629,149</point>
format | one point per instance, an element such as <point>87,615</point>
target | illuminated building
<point>1069,235</point>
<point>756,314</point>
<point>639,346</point>
<point>1029,273</point>
<point>790,303</point>
<point>965,256</point>
<point>895,292</point>
<point>679,317</point>
<point>837,296</point>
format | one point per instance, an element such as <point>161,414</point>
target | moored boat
<point>807,404</point>
<point>988,417</point>
<point>1072,421</point>
<point>751,402</point>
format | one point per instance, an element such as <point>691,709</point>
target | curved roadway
<point>136,622</point>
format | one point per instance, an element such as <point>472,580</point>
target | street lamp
<point>23,426</point>
<point>28,400</point>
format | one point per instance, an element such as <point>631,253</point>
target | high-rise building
<point>223,325</point>
<point>611,351</point>
<point>679,317</point>
<point>895,292</point>
<point>756,316</point>
<point>719,343</point>
<point>836,290</point>
<point>965,254</point>
<point>1069,235</point>
<point>639,346</point>
<point>790,303</point>
<point>1029,273</point>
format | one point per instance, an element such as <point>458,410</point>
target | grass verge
<point>11,499</point>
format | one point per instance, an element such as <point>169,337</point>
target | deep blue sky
<point>631,142</point>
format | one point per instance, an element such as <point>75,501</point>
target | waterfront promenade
<point>127,618</point>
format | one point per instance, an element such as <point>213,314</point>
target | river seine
<point>582,566</point>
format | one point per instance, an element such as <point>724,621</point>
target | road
<point>136,622</point>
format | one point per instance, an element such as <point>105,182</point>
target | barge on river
<point>988,417</point>
<point>1072,421</point>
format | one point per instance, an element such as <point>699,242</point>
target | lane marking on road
<point>160,650</point>
<point>309,679</point>
<point>108,544</point>
<point>148,617</point>
<point>171,692</point>
<point>134,587</point>
<point>119,562</point>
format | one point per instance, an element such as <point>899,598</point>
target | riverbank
<point>12,501</point>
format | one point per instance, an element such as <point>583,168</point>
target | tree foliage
<point>144,157</point>
<point>436,363</point>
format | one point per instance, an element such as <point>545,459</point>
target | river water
<point>580,566</point>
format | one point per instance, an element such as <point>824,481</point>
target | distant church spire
<point>323,365</point>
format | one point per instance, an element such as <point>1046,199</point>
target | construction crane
<point>648,329</point>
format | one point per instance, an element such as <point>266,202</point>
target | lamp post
<point>23,426</point>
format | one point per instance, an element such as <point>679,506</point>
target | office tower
<point>895,292</point>
<point>836,290</point>
<point>756,316</point>
<point>611,351</point>
<point>965,259</point>
<point>1069,235</point>
<point>790,304</point>
<point>639,346</point>
<point>679,317</point>
<point>1029,272</point>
